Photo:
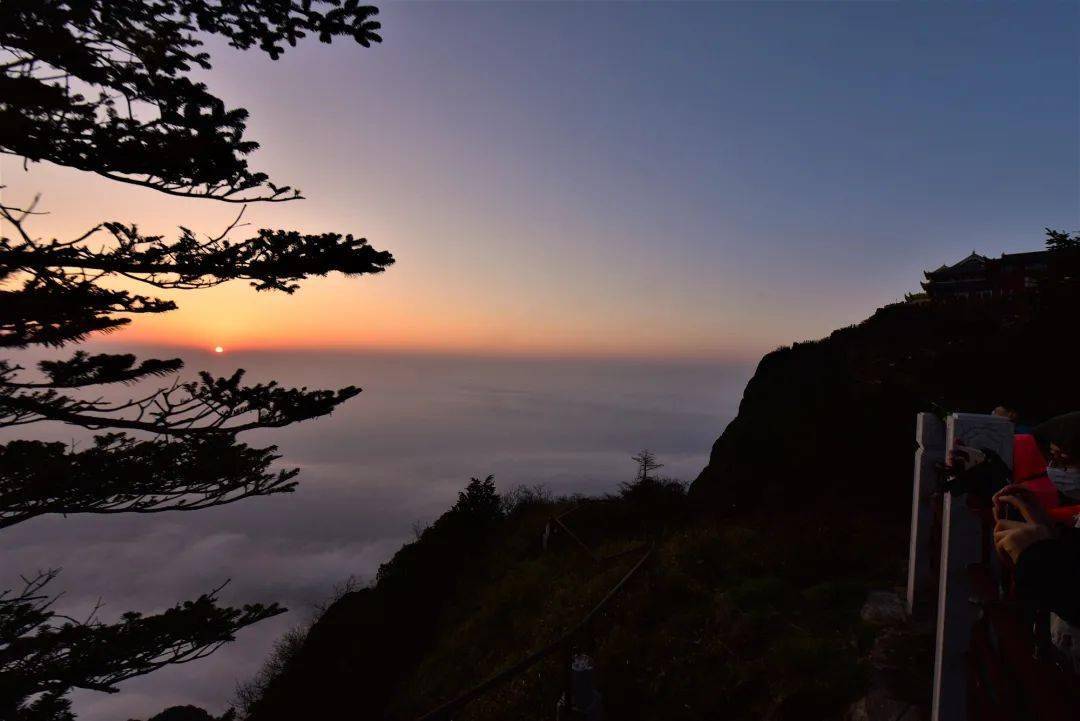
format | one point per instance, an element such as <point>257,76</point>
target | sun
<point>218,349</point>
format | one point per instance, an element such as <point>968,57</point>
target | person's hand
<point>963,458</point>
<point>1012,538</point>
<point>1023,500</point>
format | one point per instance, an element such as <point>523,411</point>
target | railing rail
<point>563,642</point>
<point>557,520</point>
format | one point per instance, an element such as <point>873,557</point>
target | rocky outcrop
<point>884,608</point>
<point>836,416</point>
<point>900,663</point>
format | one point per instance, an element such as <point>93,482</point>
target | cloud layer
<point>396,455</point>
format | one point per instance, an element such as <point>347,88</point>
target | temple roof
<point>972,263</point>
<point>977,274</point>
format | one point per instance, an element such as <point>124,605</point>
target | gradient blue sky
<point>638,179</point>
<point>664,180</point>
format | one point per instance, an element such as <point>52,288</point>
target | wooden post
<point>960,538</point>
<point>930,437</point>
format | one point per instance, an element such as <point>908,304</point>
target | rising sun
<point>218,349</point>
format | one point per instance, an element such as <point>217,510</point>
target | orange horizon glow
<point>345,315</point>
<point>134,340</point>
<point>375,315</point>
<point>417,307</point>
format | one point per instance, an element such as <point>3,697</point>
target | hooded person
<point>1059,440</point>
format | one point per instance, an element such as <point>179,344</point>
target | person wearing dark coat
<point>1048,574</point>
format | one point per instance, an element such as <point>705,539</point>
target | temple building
<point>977,276</point>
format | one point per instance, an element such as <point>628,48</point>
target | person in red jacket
<point>1045,550</point>
<point>1029,471</point>
<point>1047,556</point>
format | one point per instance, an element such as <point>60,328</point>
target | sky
<point>603,214</point>
<point>649,180</point>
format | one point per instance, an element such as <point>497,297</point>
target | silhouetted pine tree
<point>646,464</point>
<point>1064,259</point>
<point>1057,240</point>
<point>103,86</point>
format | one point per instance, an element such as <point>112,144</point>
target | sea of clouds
<point>392,457</point>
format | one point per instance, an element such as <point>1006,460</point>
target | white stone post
<point>960,540</point>
<point>930,437</point>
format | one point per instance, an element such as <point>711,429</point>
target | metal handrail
<point>558,521</point>
<point>562,642</point>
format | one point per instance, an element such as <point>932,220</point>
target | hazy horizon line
<point>435,352</point>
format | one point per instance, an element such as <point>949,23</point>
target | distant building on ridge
<point>977,276</point>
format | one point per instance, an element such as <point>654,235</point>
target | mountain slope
<point>749,607</point>
<point>836,416</point>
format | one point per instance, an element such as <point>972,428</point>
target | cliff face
<point>836,416</point>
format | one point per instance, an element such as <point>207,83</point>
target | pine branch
<point>55,309</point>
<point>272,259</point>
<point>83,369</point>
<point>211,404</point>
<point>119,474</point>
<point>143,121</point>
<point>44,655</point>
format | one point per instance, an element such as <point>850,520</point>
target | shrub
<point>523,498</point>
<point>286,648</point>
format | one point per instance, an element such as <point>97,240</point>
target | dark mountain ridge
<point>750,607</point>
<point>836,416</point>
